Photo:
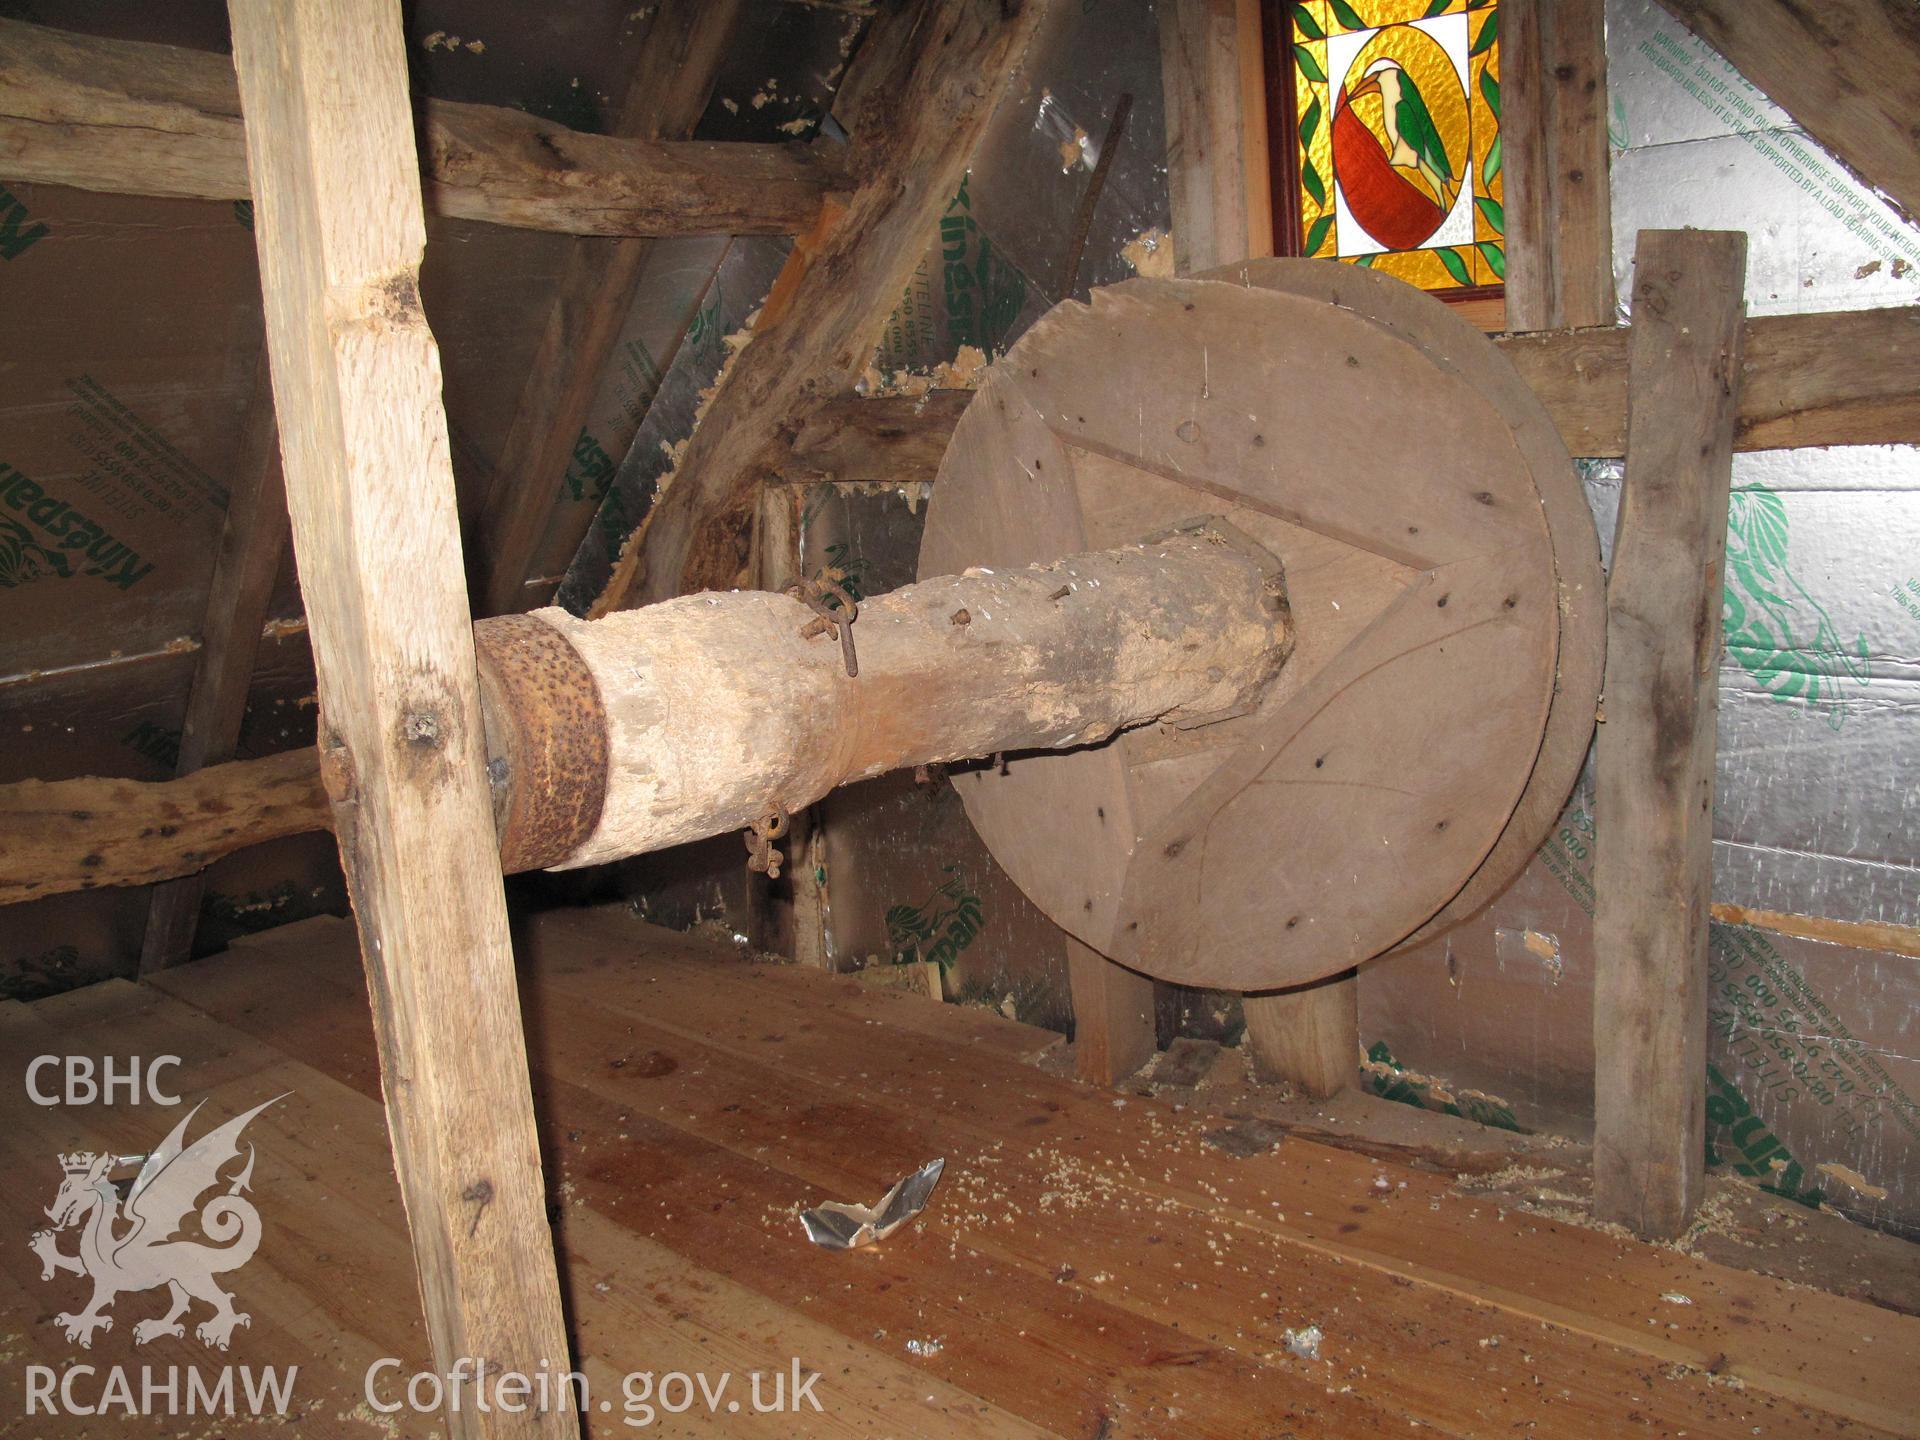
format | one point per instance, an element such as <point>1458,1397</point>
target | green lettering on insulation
<point>16,237</point>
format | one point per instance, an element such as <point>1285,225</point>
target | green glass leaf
<point>1365,262</point>
<point>1491,167</point>
<point>1309,66</point>
<point>1311,182</point>
<point>1495,257</point>
<point>1489,33</point>
<point>1345,14</point>
<point>1496,215</point>
<point>1436,8</point>
<point>1304,22</point>
<point>1489,87</point>
<point>1317,232</point>
<point>1310,123</point>
<point>1456,265</point>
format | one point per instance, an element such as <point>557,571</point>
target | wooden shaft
<point>715,709</point>
<point>1024,671</point>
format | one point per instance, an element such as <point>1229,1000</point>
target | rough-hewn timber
<point>138,119</point>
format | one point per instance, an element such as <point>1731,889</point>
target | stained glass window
<point>1398,108</point>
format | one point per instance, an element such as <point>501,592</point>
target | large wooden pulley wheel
<point>1444,579</point>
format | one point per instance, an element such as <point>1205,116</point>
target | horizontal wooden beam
<point>138,119</point>
<point>62,835</point>
<point>1830,378</point>
<point>1860,934</point>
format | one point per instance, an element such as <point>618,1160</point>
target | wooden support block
<point>1553,73</point>
<point>356,379</point>
<point>1653,807</point>
<point>1112,1016</point>
<point>253,541</point>
<point>1307,1035</point>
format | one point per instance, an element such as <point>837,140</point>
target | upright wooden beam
<point>923,85</point>
<point>1218,175</point>
<point>1653,805</point>
<point>253,540</point>
<point>679,60</point>
<point>356,380</point>
<point>1217,169</point>
<point>136,119</point>
<point>1112,1016</point>
<point>778,544</point>
<point>1307,1036</point>
<point>1553,79</point>
<point>1847,71</point>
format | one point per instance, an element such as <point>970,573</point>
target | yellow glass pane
<point>1397,108</point>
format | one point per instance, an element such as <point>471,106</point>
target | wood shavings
<point>441,40</point>
<point>1073,152</point>
<point>1150,253</point>
<point>963,372</point>
<point>1853,1180</point>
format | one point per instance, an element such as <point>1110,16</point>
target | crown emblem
<point>78,1163</point>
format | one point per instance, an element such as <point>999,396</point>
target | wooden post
<point>1112,1016</point>
<point>1553,73</point>
<point>1653,806</point>
<point>1306,1035</point>
<point>356,379</point>
<point>778,542</point>
<point>1217,167</point>
<point>253,540</point>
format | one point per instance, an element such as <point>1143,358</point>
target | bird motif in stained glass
<point>1398,111</point>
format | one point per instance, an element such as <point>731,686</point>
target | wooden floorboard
<point>1091,1264</point>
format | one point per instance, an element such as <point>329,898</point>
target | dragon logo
<point>136,1244</point>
